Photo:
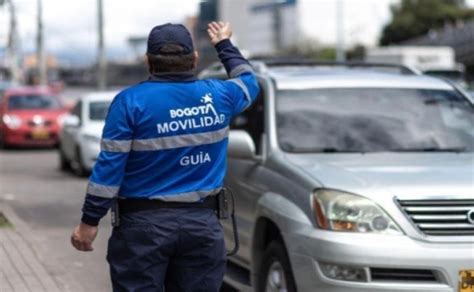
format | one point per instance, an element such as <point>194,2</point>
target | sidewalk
<point>21,268</point>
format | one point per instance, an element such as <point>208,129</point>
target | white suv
<point>79,141</point>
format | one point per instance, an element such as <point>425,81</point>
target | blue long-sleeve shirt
<point>166,138</point>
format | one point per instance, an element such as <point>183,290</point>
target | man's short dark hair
<point>171,59</point>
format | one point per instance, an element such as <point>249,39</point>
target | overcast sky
<point>71,25</point>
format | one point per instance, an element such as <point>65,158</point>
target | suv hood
<point>408,175</point>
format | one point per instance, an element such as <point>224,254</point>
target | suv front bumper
<point>310,248</point>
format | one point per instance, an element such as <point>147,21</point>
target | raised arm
<point>243,86</point>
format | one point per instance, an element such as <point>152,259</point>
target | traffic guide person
<point>162,165</point>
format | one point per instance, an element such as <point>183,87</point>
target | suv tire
<point>77,165</point>
<point>276,269</point>
<point>3,143</point>
<point>64,164</point>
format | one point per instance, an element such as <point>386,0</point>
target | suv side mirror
<point>72,121</point>
<point>241,145</point>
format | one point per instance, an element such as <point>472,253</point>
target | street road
<point>50,201</point>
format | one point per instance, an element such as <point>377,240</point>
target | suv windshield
<point>374,119</point>
<point>98,110</point>
<point>27,102</point>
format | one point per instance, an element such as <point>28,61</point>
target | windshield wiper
<point>456,103</point>
<point>323,150</point>
<point>430,149</point>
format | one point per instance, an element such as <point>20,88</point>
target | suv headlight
<point>12,121</point>
<point>340,211</point>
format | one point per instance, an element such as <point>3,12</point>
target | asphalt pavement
<point>49,202</point>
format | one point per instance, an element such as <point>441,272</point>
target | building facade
<point>262,27</point>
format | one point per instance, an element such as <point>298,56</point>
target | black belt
<point>135,205</point>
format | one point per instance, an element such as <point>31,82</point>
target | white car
<point>79,141</point>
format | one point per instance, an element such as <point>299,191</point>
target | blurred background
<point>102,42</point>
<point>62,62</point>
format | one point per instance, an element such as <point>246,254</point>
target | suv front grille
<point>412,275</point>
<point>441,217</point>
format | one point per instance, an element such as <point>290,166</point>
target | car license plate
<point>466,281</point>
<point>40,134</point>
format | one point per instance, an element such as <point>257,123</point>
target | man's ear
<point>196,58</point>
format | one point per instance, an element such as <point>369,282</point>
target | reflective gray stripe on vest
<point>240,70</point>
<point>242,85</point>
<point>115,145</point>
<point>180,140</point>
<point>101,190</point>
<point>187,197</point>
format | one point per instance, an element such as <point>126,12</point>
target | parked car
<point>30,116</point>
<point>349,179</point>
<point>79,141</point>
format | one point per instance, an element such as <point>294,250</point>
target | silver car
<point>352,179</point>
<point>79,141</point>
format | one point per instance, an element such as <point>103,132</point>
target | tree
<point>412,18</point>
<point>357,53</point>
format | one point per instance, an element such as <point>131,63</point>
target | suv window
<point>252,121</point>
<point>373,120</point>
<point>98,110</point>
<point>77,110</point>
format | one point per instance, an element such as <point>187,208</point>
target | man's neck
<point>185,76</point>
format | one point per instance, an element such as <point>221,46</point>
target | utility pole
<point>277,27</point>
<point>40,52</point>
<point>101,58</point>
<point>12,47</point>
<point>340,48</point>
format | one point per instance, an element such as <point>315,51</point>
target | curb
<point>27,269</point>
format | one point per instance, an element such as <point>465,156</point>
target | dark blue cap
<point>169,34</point>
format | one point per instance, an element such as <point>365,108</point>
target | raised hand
<point>219,31</point>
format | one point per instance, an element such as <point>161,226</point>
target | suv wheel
<point>3,144</point>
<point>77,165</point>
<point>276,270</point>
<point>63,161</point>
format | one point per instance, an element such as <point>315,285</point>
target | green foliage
<point>413,18</point>
<point>310,49</point>
<point>357,53</point>
<point>4,223</point>
<point>327,54</point>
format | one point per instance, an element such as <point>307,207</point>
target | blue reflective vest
<point>166,138</point>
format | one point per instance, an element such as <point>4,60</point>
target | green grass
<point>4,223</point>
